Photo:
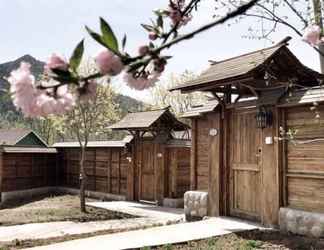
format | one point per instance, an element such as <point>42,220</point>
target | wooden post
<point>270,176</point>
<point>173,169</point>
<point>160,155</point>
<point>225,170</point>
<point>193,155</point>
<point>214,166</point>
<point>108,170</point>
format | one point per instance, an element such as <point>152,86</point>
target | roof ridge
<point>146,111</point>
<point>249,53</point>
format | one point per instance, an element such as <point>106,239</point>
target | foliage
<point>91,118</point>
<point>179,103</point>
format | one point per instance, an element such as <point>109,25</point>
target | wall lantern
<point>263,118</point>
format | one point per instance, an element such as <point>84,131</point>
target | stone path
<point>150,215</point>
<point>156,236</point>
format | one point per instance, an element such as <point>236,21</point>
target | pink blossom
<point>153,36</point>
<point>175,13</point>
<point>34,102</point>
<point>56,62</point>
<point>312,35</point>
<point>143,50</point>
<point>89,91</point>
<point>142,82</point>
<point>109,63</point>
<point>46,104</point>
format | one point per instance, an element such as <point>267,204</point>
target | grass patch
<point>54,208</point>
<point>250,240</point>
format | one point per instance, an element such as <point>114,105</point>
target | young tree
<point>90,117</point>
<point>179,103</point>
<point>93,112</point>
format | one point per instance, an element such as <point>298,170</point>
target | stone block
<point>301,222</point>
<point>195,205</point>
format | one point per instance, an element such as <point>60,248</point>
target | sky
<point>41,27</point>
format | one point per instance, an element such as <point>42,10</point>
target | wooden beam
<point>193,155</point>
<point>212,85</point>
<point>214,168</point>
<point>173,169</point>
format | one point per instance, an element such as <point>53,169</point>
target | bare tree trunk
<point>82,180</point>
<point>321,49</point>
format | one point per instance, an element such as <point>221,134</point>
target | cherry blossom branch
<point>239,11</point>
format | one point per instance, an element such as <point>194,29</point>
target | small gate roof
<point>11,137</point>
<point>147,120</point>
<point>249,66</point>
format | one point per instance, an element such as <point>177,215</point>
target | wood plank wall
<point>21,171</point>
<point>178,171</point>
<point>305,162</point>
<point>106,169</point>
<point>207,160</point>
<point>203,126</point>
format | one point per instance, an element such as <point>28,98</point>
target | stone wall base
<point>26,194</point>
<point>301,222</point>
<point>30,193</point>
<point>174,203</point>
<point>195,205</point>
<point>92,194</point>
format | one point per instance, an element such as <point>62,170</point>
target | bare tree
<point>179,103</point>
<point>295,15</point>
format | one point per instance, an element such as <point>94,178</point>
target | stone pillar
<point>195,205</point>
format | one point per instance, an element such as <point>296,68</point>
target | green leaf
<point>124,41</point>
<point>147,27</point>
<point>76,57</point>
<point>160,21</point>
<point>108,35</point>
<point>95,36</point>
<point>60,72</point>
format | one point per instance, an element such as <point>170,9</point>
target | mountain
<point>126,103</point>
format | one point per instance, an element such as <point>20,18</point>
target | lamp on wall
<point>263,118</point>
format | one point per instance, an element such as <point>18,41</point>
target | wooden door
<point>245,157</point>
<point>146,173</point>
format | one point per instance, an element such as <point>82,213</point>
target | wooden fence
<point>21,171</point>
<point>304,173</point>
<point>106,169</point>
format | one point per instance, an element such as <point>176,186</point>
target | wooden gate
<point>245,165</point>
<point>146,172</point>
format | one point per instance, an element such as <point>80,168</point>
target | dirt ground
<point>269,240</point>
<point>55,208</point>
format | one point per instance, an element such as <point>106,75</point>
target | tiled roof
<point>209,106</point>
<point>29,150</point>
<point>145,120</point>
<point>96,144</point>
<point>232,67</point>
<point>303,96</point>
<point>12,136</point>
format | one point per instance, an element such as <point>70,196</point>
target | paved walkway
<point>150,215</point>
<point>142,210</point>
<point>156,236</point>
